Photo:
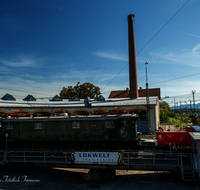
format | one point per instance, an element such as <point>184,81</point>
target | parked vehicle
<point>81,132</point>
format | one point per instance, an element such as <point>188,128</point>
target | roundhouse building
<point>32,107</point>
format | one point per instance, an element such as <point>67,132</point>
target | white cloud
<point>190,34</point>
<point>87,76</point>
<point>114,56</point>
<point>196,50</point>
<point>183,57</point>
<point>22,63</point>
<point>34,85</point>
<point>179,87</point>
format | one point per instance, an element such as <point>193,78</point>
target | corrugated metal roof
<point>195,135</point>
<point>67,103</point>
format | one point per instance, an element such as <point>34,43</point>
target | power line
<point>109,91</point>
<point>111,80</point>
<point>24,91</point>
<point>176,78</point>
<point>148,43</point>
<point>114,78</point>
<point>187,97</point>
<point>181,96</point>
<point>29,84</point>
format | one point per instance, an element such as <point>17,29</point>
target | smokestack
<point>132,59</point>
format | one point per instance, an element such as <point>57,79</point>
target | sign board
<point>96,157</point>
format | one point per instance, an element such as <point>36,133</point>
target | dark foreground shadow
<point>45,177</point>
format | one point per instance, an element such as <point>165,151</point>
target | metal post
<point>170,149</point>
<point>147,103</point>
<point>24,157</point>
<point>174,105</point>
<point>44,158</point>
<point>6,135</point>
<point>180,114</point>
<point>128,157</point>
<point>193,98</point>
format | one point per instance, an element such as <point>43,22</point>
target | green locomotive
<point>91,132</point>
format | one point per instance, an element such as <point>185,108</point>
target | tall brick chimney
<point>132,59</point>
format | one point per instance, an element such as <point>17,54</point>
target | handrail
<point>181,166</point>
<point>130,157</point>
<point>192,162</point>
<point>152,158</point>
<point>191,166</point>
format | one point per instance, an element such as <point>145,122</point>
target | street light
<point>6,135</point>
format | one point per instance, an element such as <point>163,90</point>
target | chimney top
<point>131,16</point>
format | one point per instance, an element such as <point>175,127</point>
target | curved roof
<point>116,102</point>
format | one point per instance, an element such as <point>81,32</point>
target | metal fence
<point>129,158</point>
<point>153,158</point>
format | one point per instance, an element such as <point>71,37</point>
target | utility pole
<point>147,103</point>
<point>180,115</point>
<point>193,98</point>
<point>174,105</point>
<point>171,105</point>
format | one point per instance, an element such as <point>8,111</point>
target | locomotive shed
<point>95,160</point>
<point>47,108</point>
<point>98,113</point>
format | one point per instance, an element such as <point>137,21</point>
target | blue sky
<point>48,44</point>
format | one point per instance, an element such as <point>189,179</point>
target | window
<point>38,125</point>
<point>123,123</point>
<point>75,125</point>
<point>9,126</point>
<point>110,124</point>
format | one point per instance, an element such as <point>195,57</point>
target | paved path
<point>25,177</point>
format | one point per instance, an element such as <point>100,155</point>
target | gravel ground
<point>24,177</point>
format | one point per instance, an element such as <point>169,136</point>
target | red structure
<point>141,93</point>
<point>177,138</point>
<point>152,92</point>
<point>120,94</point>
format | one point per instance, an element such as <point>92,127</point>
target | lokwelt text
<point>95,156</point>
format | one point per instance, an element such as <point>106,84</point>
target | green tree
<point>164,106</point>
<point>165,111</point>
<point>83,91</point>
<point>163,116</point>
<point>194,119</point>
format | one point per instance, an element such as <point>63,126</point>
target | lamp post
<point>147,103</point>
<point>6,135</point>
